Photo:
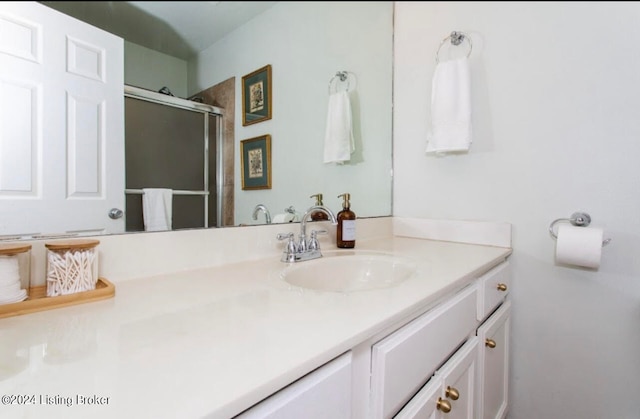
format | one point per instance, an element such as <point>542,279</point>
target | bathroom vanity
<point>235,339</point>
<point>451,360</point>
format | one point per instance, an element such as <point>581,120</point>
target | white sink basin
<point>349,272</point>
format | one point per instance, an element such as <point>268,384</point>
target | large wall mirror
<point>306,44</point>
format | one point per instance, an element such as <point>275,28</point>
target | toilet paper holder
<point>578,219</point>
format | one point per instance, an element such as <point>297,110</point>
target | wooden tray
<point>38,300</point>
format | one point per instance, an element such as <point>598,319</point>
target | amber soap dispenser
<point>346,231</point>
<point>318,215</point>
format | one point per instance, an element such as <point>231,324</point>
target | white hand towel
<point>338,140</point>
<point>157,209</point>
<point>450,108</point>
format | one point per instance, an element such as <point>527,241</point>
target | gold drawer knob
<point>490,343</point>
<point>452,393</point>
<point>502,287</point>
<point>443,405</point>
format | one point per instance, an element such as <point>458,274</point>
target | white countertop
<point>210,342</point>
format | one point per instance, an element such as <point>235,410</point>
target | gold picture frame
<point>255,162</point>
<point>256,96</point>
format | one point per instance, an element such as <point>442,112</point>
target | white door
<point>61,123</point>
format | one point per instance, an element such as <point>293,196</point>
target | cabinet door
<point>451,391</point>
<point>424,405</point>
<point>323,393</point>
<point>493,377</point>
<point>459,381</point>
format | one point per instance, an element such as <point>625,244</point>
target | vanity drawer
<point>493,288</point>
<point>403,361</point>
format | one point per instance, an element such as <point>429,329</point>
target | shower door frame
<point>206,111</point>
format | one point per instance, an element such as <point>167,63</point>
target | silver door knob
<point>115,213</point>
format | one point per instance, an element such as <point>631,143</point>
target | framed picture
<point>256,96</point>
<point>255,162</point>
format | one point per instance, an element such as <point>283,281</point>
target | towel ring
<point>456,39</point>
<point>341,76</point>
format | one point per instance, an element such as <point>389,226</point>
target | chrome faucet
<point>305,249</point>
<point>303,245</point>
<point>263,208</point>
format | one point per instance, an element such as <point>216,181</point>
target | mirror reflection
<point>306,44</point>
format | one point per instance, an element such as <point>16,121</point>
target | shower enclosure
<point>175,144</point>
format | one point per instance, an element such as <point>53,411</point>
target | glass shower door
<point>168,147</point>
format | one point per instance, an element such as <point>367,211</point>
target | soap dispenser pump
<point>346,231</point>
<point>318,215</point>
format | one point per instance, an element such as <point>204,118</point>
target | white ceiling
<point>176,28</point>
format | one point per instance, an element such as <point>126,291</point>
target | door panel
<point>62,124</point>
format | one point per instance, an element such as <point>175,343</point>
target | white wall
<point>556,96</point>
<point>152,70</point>
<point>306,43</point>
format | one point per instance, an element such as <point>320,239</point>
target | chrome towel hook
<point>341,76</point>
<point>578,219</point>
<point>456,38</point>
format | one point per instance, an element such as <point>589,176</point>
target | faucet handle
<point>291,249</point>
<point>313,241</point>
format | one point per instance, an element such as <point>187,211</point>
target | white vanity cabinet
<point>323,393</point>
<point>459,349</point>
<point>449,362</point>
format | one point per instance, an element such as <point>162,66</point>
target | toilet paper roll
<point>579,246</point>
<point>282,218</point>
